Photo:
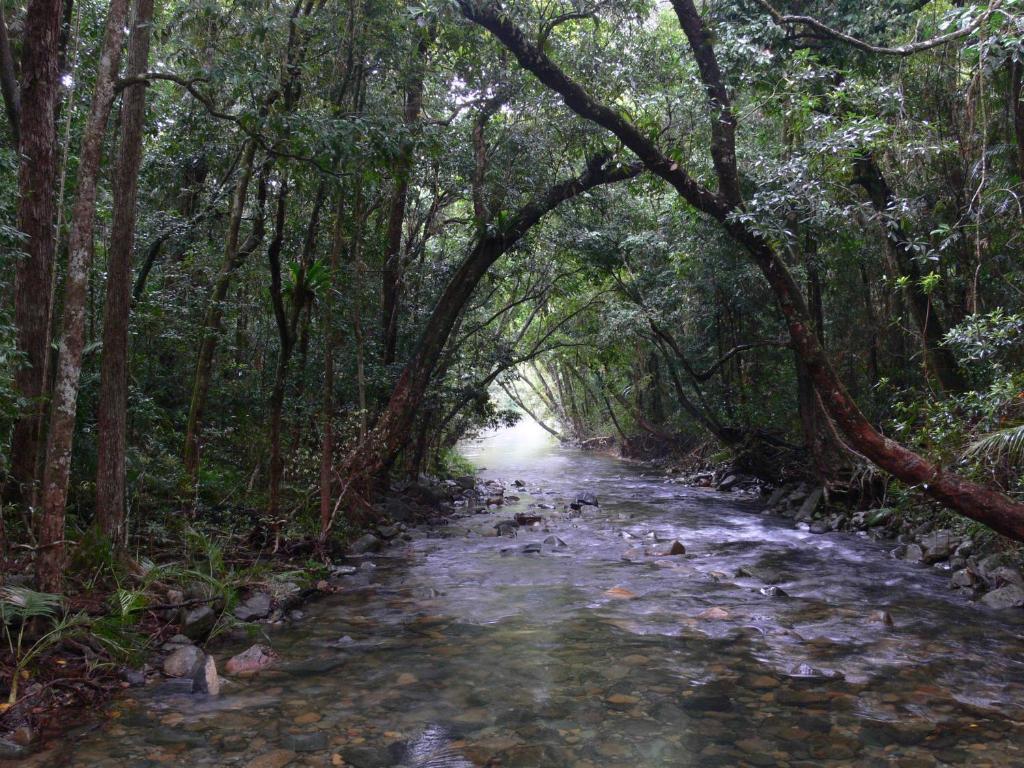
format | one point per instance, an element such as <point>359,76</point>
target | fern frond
<point>1005,444</point>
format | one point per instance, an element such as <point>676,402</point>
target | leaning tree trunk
<point>37,211</point>
<point>57,469</point>
<point>113,400</point>
<point>392,431</point>
<point>975,501</point>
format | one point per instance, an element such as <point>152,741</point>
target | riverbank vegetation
<point>263,261</point>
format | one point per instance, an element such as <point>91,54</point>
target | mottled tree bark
<point>57,469</point>
<point>37,212</point>
<point>113,399</point>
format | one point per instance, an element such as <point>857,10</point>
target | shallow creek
<point>460,650</point>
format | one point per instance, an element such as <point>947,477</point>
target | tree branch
<point>901,50</point>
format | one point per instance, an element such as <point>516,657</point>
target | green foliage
<point>1006,444</point>
<point>450,463</point>
<point>19,608</point>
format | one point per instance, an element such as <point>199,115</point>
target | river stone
<point>365,544</point>
<point>914,553</point>
<point>674,549</point>
<point>305,742</point>
<point>1005,575</point>
<point>962,578</point>
<point>706,701</point>
<point>183,661</point>
<point>399,511</point>
<point>252,659</point>
<point>587,499</point>
<point>766,574</point>
<point>466,482</point>
<point>205,678</point>
<point>728,483</point>
<point>11,750</point>
<point>776,497</point>
<point>275,759</point>
<point>507,528</point>
<point>809,506</point>
<point>366,757</point>
<point>134,677</point>
<point>176,642</point>
<point>1010,596</point>
<point>256,607</point>
<point>555,543</point>
<point>988,565</point>
<point>938,546</point>
<point>197,623</point>
<point>820,526</point>
<point>176,686</point>
<point>880,617</point>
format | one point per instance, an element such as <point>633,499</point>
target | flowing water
<point>459,649</point>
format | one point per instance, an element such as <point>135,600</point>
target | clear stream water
<point>461,650</point>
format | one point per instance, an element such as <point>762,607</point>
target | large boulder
<point>914,553</point>
<point>183,661</point>
<point>398,510</point>
<point>964,578</point>
<point>197,623</point>
<point>252,659</point>
<point>938,546</point>
<point>587,499</point>
<point>1005,575</point>
<point>728,483</point>
<point>809,506</point>
<point>256,607</point>
<point>776,497</point>
<point>1010,596</point>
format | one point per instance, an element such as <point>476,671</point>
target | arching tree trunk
<point>392,430</point>
<point>113,399</point>
<point>982,504</point>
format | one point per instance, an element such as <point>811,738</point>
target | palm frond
<point>21,603</point>
<point>1005,444</point>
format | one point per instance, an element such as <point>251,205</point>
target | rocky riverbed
<point>587,616</point>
